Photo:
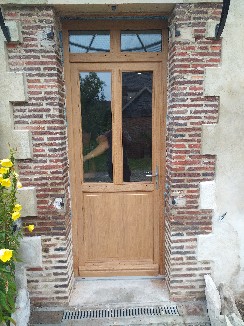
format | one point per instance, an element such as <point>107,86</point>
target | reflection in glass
<point>141,41</point>
<point>137,123</point>
<point>95,88</point>
<point>89,41</point>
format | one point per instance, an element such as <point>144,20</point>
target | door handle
<point>154,175</point>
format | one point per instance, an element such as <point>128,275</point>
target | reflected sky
<point>106,78</point>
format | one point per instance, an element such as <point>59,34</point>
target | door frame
<point>74,148</point>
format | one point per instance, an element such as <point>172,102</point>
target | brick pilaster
<point>189,54</point>
<point>44,114</point>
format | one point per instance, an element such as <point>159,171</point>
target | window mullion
<point>117,127</point>
<point>115,41</point>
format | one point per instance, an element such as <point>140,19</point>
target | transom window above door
<point>104,39</point>
<point>141,41</point>
<point>89,41</point>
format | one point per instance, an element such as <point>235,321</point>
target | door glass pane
<point>95,89</point>
<point>141,41</point>
<point>137,125</point>
<point>89,41</point>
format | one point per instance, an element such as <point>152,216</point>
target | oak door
<point>115,77</point>
<point>117,111</point>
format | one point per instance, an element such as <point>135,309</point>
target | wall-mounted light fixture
<point>50,35</point>
<point>220,27</point>
<point>4,28</point>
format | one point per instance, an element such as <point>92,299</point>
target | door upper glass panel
<point>137,125</point>
<point>95,89</point>
<point>141,41</point>
<point>89,41</point>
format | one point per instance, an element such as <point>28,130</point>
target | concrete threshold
<point>102,291</point>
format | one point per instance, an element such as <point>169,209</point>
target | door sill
<point>114,278</point>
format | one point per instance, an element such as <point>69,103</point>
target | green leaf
<point>4,270</point>
<point>11,319</point>
<point>5,305</point>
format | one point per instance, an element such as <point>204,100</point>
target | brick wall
<point>43,114</point>
<point>188,109</point>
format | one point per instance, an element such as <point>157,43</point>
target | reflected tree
<point>96,112</point>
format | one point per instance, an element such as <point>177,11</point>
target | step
<point>136,321</point>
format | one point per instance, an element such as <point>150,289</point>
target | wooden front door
<point>115,118</point>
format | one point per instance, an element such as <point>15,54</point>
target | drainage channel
<point>120,312</point>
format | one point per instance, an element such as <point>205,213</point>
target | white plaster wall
<point>13,89</point>
<point>225,246</point>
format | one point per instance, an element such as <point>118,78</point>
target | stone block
<point>15,86</point>
<point>20,276</point>
<point>15,31</point>
<point>213,302</point>
<point>228,305</point>
<point>22,313</point>
<point>211,88</point>
<point>209,145</point>
<point>211,28</point>
<point>186,34</point>
<point>207,195</point>
<point>178,198</point>
<point>182,34</point>
<point>22,140</point>
<point>235,320</point>
<point>27,198</point>
<point>30,251</point>
<point>6,126</point>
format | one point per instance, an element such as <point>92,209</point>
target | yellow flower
<point>6,254</point>
<point>17,208</point>
<point>4,170</point>
<point>6,182</point>
<point>1,177</point>
<point>30,227</point>
<point>6,163</point>
<point>15,215</point>
<point>19,185</point>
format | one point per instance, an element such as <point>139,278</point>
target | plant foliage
<point>11,233</point>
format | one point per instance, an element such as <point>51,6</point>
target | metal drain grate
<point>121,312</point>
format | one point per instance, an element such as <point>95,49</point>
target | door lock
<point>154,176</point>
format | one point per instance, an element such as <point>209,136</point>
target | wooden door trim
<point>73,154</point>
<point>120,57</point>
<point>162,135</point>
<point>105,25</point>
<point>75,151</point>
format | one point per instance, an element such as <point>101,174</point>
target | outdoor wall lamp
<point>220,27</point>
<point>4,28</point>
<point>50,35</point>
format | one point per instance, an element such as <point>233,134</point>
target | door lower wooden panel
<point>118,234</point>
